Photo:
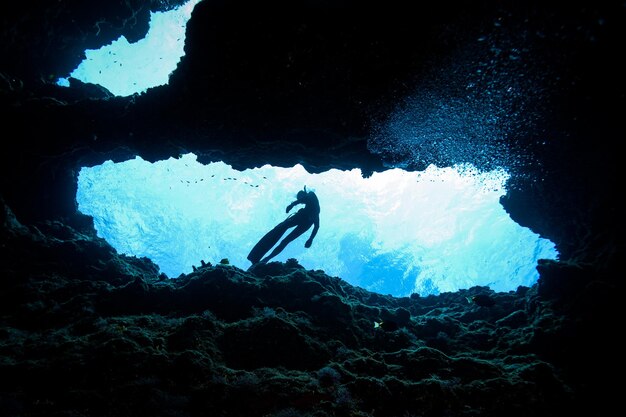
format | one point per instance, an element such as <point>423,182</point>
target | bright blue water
<point>396,232</point>
<point>127,68</point>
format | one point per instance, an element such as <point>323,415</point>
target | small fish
<point>482,300</point>
<point>386,325</point>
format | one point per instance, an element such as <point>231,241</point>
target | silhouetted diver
<point>302,220</point>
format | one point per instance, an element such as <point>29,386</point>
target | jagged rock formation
<point>89,332</point>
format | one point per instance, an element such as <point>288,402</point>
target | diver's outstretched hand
<point>308,243</point>
<point>289,207</point>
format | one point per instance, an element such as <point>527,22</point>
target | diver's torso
<point>311,209</point>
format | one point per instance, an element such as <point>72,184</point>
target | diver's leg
<point>300,229</point>
<point>269,240</point>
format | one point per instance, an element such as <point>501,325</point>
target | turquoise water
<point>396,232</point>
<point>126,68</point>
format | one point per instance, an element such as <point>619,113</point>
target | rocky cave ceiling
<point>284,84</point>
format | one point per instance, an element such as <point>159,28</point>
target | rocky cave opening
<point>400,239</point>
<point>532,88</point>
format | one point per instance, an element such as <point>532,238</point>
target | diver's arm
<point>316,226</point>
<point>290,206</point>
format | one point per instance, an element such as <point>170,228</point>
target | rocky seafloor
<point>88,332</point>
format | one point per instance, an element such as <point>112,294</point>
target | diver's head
<point>301,195</point>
